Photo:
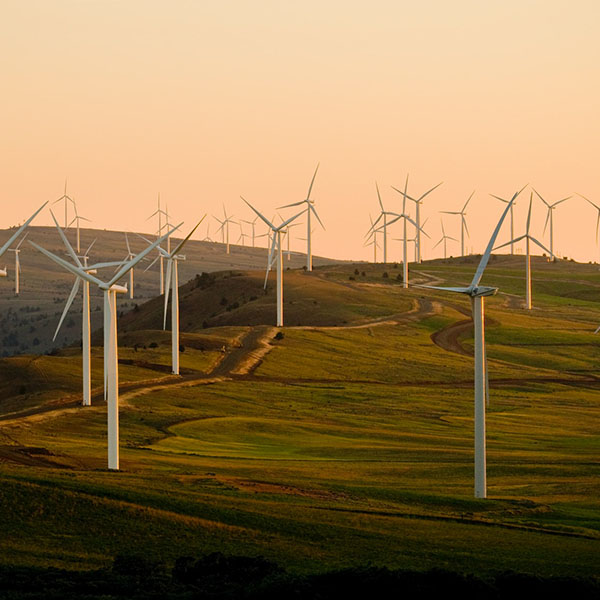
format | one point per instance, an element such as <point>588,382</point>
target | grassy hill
<point>345,441</point>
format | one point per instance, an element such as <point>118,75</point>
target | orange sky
<point>204,101</point>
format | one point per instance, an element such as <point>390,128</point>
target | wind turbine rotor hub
<point>482,290</point>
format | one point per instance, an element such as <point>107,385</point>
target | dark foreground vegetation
<point>217,576</point>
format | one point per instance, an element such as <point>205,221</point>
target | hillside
<point>347,440</point>
<point>29,320</point>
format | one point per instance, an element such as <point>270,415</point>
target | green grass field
<point>351,442</point>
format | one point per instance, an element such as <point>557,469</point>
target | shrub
<point>385,275</point>
<point>153,345</point>
<point>278,335</point>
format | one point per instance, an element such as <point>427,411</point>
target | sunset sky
<point>203,101</point>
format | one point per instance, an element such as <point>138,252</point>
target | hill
<point>346,440</point>
<point>28,321</point>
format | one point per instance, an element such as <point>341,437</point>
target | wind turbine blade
<point>68,266</point>
<point>102,265</point>
<point>407,196</point>
<point>597,330</point>
<point>152,263</point>
<point>271,255</point>
<point>563,200</point>
<point>498,198</point>
<point>20,230</point>
<point>431,190</point>
<point>167,288</point>
<point>516,240</point>
<point>312,181</point>
<point>540,197</point>
<point>443,232</point>
<point>438,244</point>
<point>540,245</point>
<point>464,221</point>
<point>486,256</point>
<point>594,205</point>
<point>450,212</point>
<point>258,214</point>
<point>290,220</point>
<point>90,247</point>
<point>189,235</point>
<point>379,197</point>
<point>529,214</point>
<point>70,299</point>
<point>314,211</point>
<point>458,290</point>
<point>293,204</point>
<point>22,240</point>
<point>66,242</point>
<point>134,261</point>
<point>547,219</point>
<point>467,202</point>
<point>128,246</point>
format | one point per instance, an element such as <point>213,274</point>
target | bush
<point>278,335</point>
<point>153,345</point>
<point>385,275</point>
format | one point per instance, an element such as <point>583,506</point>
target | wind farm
<point>279,317</point>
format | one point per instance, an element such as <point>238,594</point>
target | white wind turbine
<point>512,206</point>
<point>310,208</point>
<point>405,219</point>
<point>383,214</point>
<point>444,238</point>
<point>528,238</point>
<point>17,251</point>
<point>224,229</point>
<point>15,235</point>
<point>418,201</point>
<point>549,216</point>
<point>160,213</point>
<point>172,282</point>
<point>82,262</point>
<point>130,256</point>
<point>463,222</point>
<point>275,247</point>
<point>76,219</point>
<point>66,199</point>
<point>373,243</point>
<point>253,225</point>
<point>110,289</point>
<point>207,237</point>
<point>597,219</point>
<point>477,293</point>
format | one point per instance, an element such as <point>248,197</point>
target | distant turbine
<point>310,208</point>
<point>15,235</point>
<point>275,246</point>
<point>76,219</point>
<point>512,230</point>
<point>253,225</point>
<point>17,265</point>
<point>477,293</point>
<point>373,243</point>
<point>527,239</point>
<point>111,366</point>
<point>160,213</point>
<point>66,199</point>
<point>443,239</point>
<point>418,201</point>
<point>405,219</point>
<point>224,229</point>
<point>463,222</point>
<point>130,256</point>
<point>172,259</point>
<point>549,216</point>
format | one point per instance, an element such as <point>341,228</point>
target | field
<point>346,441</point>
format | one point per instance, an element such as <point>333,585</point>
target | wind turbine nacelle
<point>483,290</point>
<point>92,271</point>
<point>180,257</point>
<point>3,272</point>
<point>120,289</point>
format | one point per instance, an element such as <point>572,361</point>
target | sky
<point>205,101</point>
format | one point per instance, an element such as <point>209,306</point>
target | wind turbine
<point>477,294</point>
<point>463,222</point>
<point>110,290</point>
<point>374,242</point>
<point>130,256</point>
<point>85,308</point>
<point>512,231</point>
<point>15,235</point>
<point>224,229</point>
<point>275,246</point>
<point>172,259</point>
<point>17,265</point>
<point>66,200</point>
<point>310,208</point>
<point>418,201</point>
<point>207,237</point>
<point>406,219</point>
<point>253,225</point>
<point>528,238</point>
<point>549,215</point>
<point>443,239</point>
<point>160,213</point>
<point>243,236</point>
<point>597,219</point>
<point>76,220</point>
